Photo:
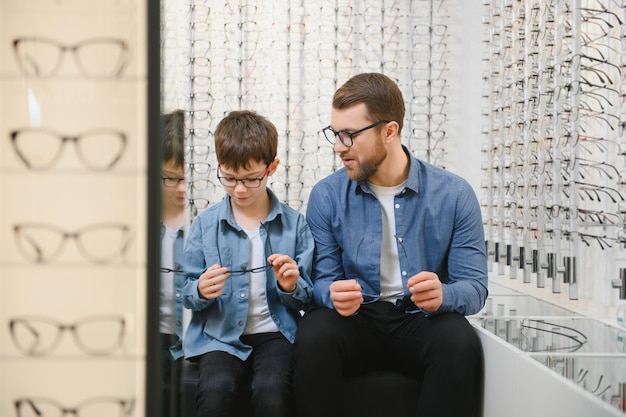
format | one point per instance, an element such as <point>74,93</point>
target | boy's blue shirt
<point>177,349</point>
<point>217,324</point>
<point>439,229</point>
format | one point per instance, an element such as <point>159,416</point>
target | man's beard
<point>368,167</point>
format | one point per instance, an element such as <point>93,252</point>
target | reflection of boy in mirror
<point>173,190</point>
<point>248,261</point>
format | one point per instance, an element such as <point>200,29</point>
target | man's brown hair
<point>380,94</point>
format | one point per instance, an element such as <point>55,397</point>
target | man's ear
<point>391,131</point>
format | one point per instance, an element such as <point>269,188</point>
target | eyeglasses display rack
<point>285,60</point>
<point>72,213</point>
<point>553,190</point>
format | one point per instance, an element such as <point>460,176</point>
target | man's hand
<point>426,291</point>
<point>286,271</point>
<point>211,282</point>
<point>346,296</point>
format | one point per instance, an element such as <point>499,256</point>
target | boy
<point>248,262</point>
<point>173,192</point>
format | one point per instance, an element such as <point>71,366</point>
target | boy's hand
<point>211,281</point>
<point>286,271</point>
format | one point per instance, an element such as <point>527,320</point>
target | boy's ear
<point>273,166</point>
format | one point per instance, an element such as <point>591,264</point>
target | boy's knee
<point>216,385</point>
<point>272,396</point>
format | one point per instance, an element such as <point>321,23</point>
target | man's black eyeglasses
<point>247,182</point>
<point>346,138</point>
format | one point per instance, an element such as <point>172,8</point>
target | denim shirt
<point>439,228</point>
<point>217,324</point>
<point>176,350</point>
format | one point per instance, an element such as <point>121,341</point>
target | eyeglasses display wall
<point>285,59</point>
<point>553,193</point>
<point>72,212</point>
<point>554,199</point>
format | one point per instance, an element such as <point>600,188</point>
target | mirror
<point>285,59</point>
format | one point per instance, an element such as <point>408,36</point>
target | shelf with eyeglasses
<point>44,244</point>
<point>604,376</point>
<point>91,337</point>
<point>503,300</point>
<point>556,334</point>
<point>97,148</point>
<point>584,350</point>
<point>56,389</point>
<point>96,58</point>
<point>42,150</point>
<point>90,406</point>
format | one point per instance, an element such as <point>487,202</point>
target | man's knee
<point>316,326</point>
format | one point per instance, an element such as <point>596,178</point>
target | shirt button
<point>400,240</point>
<point>178,323</point>
<point>177,295</point>
<point>242,295</point>
<point>397,205</point>
<point>404,273</point>
<point>240,322</point>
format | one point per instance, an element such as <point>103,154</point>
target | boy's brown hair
<point>174,149</point>
<point>244,136</point>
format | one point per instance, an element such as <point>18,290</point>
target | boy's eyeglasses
<point>246,182</point>
<point>346,138</point>
<point>172,182</point>
<point>233,272</point>
<point>244,270</point>
<point>251,270</point>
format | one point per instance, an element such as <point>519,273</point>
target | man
<point>400,260</point>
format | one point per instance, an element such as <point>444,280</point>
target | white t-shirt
<point>390,278</point>
<point>259,320</point>
<point>166,306</point>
